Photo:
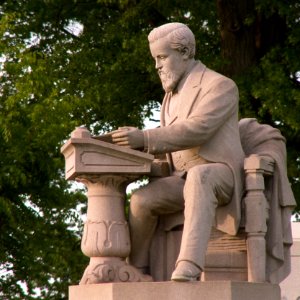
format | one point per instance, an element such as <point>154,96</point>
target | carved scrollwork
<point>128,274</point>
<point>112,272</point>
<point>99,273</point>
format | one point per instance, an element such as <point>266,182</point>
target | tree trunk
<point>246,35</point>
<point>237,29</point>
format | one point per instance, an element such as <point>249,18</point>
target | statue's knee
<point>199,173</point>
<point>138,203</point>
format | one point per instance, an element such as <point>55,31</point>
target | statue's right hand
<point>130,137</point>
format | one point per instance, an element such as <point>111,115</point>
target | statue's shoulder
<point>210,77</point>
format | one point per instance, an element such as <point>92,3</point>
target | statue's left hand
<point>130,137</point>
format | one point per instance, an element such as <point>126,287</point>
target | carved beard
<point>169,80</point>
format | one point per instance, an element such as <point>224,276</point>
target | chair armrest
<point>264,164</point>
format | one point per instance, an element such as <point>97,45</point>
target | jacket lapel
<point>190,90</point>
<point>163,109</point>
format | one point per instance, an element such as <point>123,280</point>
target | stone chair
<point>237,258</point>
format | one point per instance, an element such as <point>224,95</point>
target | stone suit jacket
<point>206,123</point>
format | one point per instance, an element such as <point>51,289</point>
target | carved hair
<point>178,34</point>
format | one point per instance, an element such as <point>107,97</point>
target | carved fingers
<point>130,137</point>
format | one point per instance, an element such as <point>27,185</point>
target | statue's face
<point>170,63</point>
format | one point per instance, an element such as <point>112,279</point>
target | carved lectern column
<point>105,169</point>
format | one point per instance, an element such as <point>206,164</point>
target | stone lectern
<point>105,169</point>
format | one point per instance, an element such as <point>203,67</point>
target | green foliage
<point>69,63</point>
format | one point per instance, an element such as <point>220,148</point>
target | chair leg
<point>256,215</point>
<point>256,257</point>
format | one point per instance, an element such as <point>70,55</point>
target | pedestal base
<point>111,269</point>
<point>210,290</point>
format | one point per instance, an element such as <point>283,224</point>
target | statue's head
<point>173,48</point>
<point>178,35</point>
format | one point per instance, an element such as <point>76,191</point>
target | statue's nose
<point>158,64</point>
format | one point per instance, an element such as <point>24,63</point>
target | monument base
<point>210,290</point>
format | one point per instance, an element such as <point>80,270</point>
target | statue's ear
<point>185,52</point>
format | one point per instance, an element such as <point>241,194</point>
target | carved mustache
<point>165,75</point>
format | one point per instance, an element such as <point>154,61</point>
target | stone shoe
<point>186,271</point>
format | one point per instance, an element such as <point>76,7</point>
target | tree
<point>86,62</point>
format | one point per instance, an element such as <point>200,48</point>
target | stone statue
<point>199,134</point>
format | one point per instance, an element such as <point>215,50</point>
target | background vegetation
<point>66,63</point>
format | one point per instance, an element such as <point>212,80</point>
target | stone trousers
<point>205,187</point>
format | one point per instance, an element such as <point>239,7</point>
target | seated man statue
<point>199,133</point>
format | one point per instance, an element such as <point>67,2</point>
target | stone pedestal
<point>212,290</point>
<point>106,234</point>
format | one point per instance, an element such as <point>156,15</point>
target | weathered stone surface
<point>225,290</point>
<point>290,287</point>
